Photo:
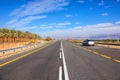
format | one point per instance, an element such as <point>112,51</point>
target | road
<point>60,61</point>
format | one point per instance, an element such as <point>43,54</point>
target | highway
<point>63,60</point>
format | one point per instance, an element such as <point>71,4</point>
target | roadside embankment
<point>13,51</point>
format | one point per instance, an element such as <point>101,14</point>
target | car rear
<point>88,43</point>
<point>91,43</point>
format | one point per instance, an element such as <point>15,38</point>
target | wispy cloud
<point>104,14</point>
<point>35,28</point>
<point>71,15</point>
<point>118,22</point>
<point>68,15</point>
<point>34,10</point>
<point>101,3</point>
<point>45,26</point>
<point>15,23</point>
<point>39,7</point>
<point>81,1</point>
<point>100,25</point>
<point>63,24</point>
<point>54,25</point>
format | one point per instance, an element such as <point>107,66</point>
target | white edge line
<point>64,64</point>
<point>60,73</point>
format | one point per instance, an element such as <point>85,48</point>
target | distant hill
<point>108,36</point>
<point>103,36</point>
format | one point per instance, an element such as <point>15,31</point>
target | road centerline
<point>60,55</point>
<point>64,63</point>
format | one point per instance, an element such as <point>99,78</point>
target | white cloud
<point>36,28</point>
<point>63,24</point>
<point>68,15</point>
<point>105,14</point>
<point>118,22</point>
<point>52,26</point>
<point>103,24</point>
<point>39,7</point>
<point>101,3</point>
<point>83,31</point>
<point>15,23</point>
<point>46,27</point>
<point>96,26</point>
<point>81,1</point>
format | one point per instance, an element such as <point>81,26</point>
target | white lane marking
<point>64,64</point>
<point>60,55</point>
<point>60,73</point>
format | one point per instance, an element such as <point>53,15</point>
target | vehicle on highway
<point>88,43</point>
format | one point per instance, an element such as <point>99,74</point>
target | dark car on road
<point>88,43</point>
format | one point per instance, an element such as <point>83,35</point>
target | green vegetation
<point>7,35</point>
<point>108,40</point>
<point>48,39</point>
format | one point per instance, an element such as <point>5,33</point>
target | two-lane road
<point>46,64</point>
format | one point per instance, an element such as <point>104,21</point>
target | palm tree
<point>28,36</point>
<point>48,39</point>
<point>7,35</point>
<point>2,36</point>
<point>37,37</point>
<point>21,36</point>
<point>16,37</point>
<point>1,33</point>
<point>13,37</point>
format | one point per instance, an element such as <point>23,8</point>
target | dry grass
<point>16,44</point>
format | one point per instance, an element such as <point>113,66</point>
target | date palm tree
<point>5,33</point>
<point>14,36</point>
<point>2,36</point>
<point>28,36</point>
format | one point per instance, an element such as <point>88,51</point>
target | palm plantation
<point>16,37</point>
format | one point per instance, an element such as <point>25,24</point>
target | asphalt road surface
<point>60,61</point>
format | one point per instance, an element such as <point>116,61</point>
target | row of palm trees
<point>15,36</point>
<point>7,35</point>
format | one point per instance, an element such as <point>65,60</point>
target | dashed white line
<point>60,55</point>
<point>60,73</point>
<point>64,64</point>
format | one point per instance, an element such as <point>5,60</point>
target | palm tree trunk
<point>3,42</point>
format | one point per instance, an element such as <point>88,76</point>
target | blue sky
<point>62,18</point>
